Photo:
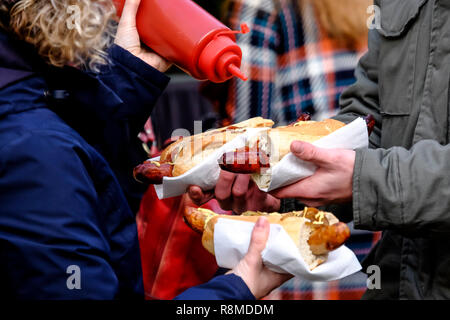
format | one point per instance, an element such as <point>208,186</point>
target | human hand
<point>258,278</point>
<point>331,183</point>
<point>236,192</point>
<point>128,38</point>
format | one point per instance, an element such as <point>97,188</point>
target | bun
<point>280,138</point>
<point>302,227</point>
<point>188,152</point>
<point>272,145</point>
<point>277,142</point>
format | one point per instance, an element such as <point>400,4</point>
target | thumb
<point>260,235</point>
<point>310,153</point>
<point>198,196</point>
<point>129,12</point>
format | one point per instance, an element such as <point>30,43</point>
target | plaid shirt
<point>292,66</point>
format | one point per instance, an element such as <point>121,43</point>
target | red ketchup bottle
<point>185,34</point>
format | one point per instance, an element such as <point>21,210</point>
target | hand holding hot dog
<point>331,183</point>
<point>236,192</point>
<point>259,279</point>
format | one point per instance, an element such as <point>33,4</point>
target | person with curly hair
<point>76,88</point>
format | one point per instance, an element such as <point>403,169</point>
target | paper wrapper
<point>289,170</point>
<point>204,175</point>
<point>232,238</point>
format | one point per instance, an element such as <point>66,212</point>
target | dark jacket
<point>64,137</point>
<point>61,206</point>
<point>402,185</point>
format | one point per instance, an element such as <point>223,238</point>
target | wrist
<point>123,57</point>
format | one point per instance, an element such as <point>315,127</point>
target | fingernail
<point>296,147</point>
<point>261,223</point>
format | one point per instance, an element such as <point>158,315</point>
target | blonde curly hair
<point>64,32</point>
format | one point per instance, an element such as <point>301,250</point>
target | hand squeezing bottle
<point>185,34</point>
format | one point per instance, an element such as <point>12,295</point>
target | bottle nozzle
<point>235,71</point>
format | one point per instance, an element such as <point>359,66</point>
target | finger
<point>256,197</point>
<point>129,13</point>
<point>223,189</point>
<point>239,191</point>
<point>296,190</point>
<point>277,279</point>
<point>304,191</point>
<point>313,202</point>
<point>260,235</point>
<point>308,152</point>
<point>198,196</point>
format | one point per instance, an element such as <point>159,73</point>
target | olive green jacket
<point>402,185</point>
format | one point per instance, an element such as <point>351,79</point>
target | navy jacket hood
<point>15,66</point>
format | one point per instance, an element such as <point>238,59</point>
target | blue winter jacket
<point>66,139</point>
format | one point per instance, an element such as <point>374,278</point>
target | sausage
<point>326,238</point>
<point>244,161</point>
<point>323,238</point>
<point>305,116</point>
<point>196,218</point>
<point>370,122</point>
<point>152,172</point>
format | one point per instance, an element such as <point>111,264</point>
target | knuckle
<point>222,196</point>
<point>227,177</point>
<point>336,157</point>
<point>312,153</point>
<point>238,192</point>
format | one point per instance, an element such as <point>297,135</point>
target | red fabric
<point>173,258</point>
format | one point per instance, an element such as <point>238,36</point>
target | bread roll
<point>276,142</point>
<point>188,152</point>
<point>302,227</point>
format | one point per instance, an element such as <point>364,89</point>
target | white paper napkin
<point>291,169</point>
<point>204,175</point>
<point>232,238</point>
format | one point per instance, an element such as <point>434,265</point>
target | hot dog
<point>244,161</point>
<point>263,151</point>
<point>303,117</point>
<point>314,232</point>
<point>185,153</point>
<point>328,238</point>
<point>275,144</point>
<point>152,172</point>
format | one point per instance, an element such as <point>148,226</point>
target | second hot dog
<point>314,232</point>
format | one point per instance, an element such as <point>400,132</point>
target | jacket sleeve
<point>136,86</point>
<point>226,287</point>
<point>361,99</point>
<point>136,83</point>
<point>407,190</point>
<point>51,239</point>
